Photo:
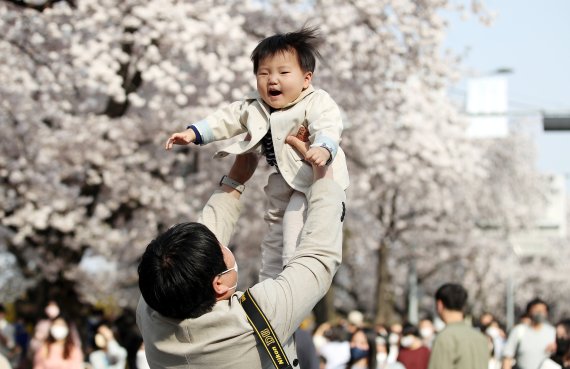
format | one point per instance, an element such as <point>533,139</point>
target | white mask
<point>493,332</point>
<point>393,338</point>
<point>426,332</point>
<point>235,267</point>
<point>407,341</point>
<point>59,332</point>
<point>381,357</point>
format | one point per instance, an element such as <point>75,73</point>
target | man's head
<point>450,297</point>
<point>284,65</point>
<point>537,310</point>
<point>184,271</point>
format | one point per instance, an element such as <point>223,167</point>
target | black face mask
<point>562,346</point>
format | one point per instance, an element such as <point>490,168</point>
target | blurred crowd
<point>352,343</point>
<point>54,341</point>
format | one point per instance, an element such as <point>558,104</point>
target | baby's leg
<point>293,221</point>
<point>278,194</point>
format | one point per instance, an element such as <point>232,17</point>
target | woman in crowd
<point>562,354</point>
<point>109,354</point>
<point>59,351</point>
<point>413,354</point>
<point>362,350</point>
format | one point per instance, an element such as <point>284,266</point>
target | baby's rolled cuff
<point>204,134</point>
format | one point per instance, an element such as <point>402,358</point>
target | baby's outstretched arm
<point>181,138</point>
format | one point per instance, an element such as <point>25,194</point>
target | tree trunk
<point>324,310</point>
<point>384,294</point>
<point>31,306</point>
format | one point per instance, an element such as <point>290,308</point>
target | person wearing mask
<point>427,331</point>
<point>189,313</point>
<point>59,351</point>
<point>41,330</point>
<point>362,349</point>
<point>458,345</point>
<point>394,342</point>
<point>109,354</point>
<point>413,354</point>
<point>530,344</point>
<point>382,352</point>
<point>497,334</point>
<point>562,354</point>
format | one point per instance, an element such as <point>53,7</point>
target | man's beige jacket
<point>313,109</point>
<point>223,337</point>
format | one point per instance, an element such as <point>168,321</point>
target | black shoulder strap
<point>264,331</point>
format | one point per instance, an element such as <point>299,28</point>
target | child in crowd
<point>285,104</point>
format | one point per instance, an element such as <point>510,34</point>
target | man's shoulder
<point>461,329</point>
<point>549,329</point>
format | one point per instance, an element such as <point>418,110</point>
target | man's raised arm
<point>221,212</point>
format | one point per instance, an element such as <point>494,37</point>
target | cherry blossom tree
<point>90,90</point>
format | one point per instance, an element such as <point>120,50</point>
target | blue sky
<point>533,39</point>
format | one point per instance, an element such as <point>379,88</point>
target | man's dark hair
<point>2,309</point>
<point>177,269</point>
<point>305,42</point>
<point>534,302</point>
<point>452,295</point>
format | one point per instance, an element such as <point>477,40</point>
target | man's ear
<point>218,286</point>
<point>439,306</point>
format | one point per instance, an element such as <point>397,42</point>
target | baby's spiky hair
<point>304,42</point>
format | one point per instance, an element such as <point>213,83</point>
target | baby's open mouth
<point>275,93</point>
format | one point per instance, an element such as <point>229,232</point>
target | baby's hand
<point>181,138</point>
<point>318,156</point>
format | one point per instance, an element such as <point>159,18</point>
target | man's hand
<point>318,156</point>
<point>181,138</point>
<point>303,148</point>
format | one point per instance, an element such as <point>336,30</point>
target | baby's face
<point>280,79</point>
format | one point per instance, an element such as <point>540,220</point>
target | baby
<point>285,104</point>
